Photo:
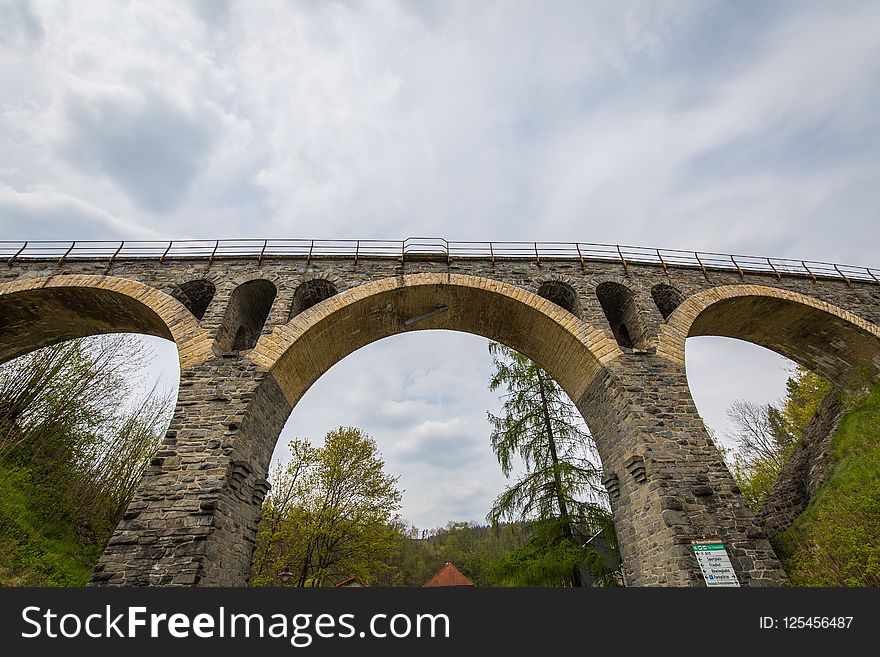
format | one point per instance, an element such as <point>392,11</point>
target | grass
<point>836,540</point>
<point>35,551</point>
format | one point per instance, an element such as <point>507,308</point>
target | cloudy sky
<point>748,127</point>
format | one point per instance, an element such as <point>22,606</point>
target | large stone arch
<point>299,352</point>
<point>833,342</point>
<point>40,311</point>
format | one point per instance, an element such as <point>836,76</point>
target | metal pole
<point>162,258</point>
<point>19,252</point>
<point>811,274</point>
<point>113,257</point>
<point>66,253</point>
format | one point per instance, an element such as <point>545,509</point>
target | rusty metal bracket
<point>702,266</point>
<point>778,275</point>
<point>580,255</point>
<point>662,261</point>
<point>809,273</point>
<point>739,271</point>
<point>309,257</point>
<point>113,257</point>
<point>622,259</point>
<point>492,255</point>
<point>848,282</point>
<point>214,252</point>
<point>17,253</point>
<point>537,257</point>
<point>66,253</point>
<point>871,274</point>
<point>162,258</point>
<point>357,250</point>
<point>262,252</point>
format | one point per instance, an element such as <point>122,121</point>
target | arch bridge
<point>258,322</point>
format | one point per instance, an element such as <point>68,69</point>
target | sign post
<point>714,562</point>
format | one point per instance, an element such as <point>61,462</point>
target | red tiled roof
<point>351,581</point>
<point>449,575</point>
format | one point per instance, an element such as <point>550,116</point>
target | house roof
<point>351,581</point>
<point>449,575</point>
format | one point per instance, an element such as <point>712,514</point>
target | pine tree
<point>560,493</point>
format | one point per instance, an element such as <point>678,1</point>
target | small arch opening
<point>310,293</point>
<point>667,298</point>
<point>562,294</point>
<point>248,308</point>
<point>620,308</point>
<point>196,296</point>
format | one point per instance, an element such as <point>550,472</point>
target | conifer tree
<point>560,492</point>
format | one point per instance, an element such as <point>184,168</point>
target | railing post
<point>262,251</point>
<point>167,249</point>
<point>778,275</point>
<point>662,262</point>
<point>213,253</point>
<point>357,249</point>
<point>116,253</point>
<point>848,282</point>
<point>702,266</point>
<point>66,253</point>
<point>809,273</point>
<point>738,270</point>
<point>622,259</point>
<point>17,253</point>
<point>580,255</point>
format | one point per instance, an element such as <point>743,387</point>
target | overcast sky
<point>748,127</point>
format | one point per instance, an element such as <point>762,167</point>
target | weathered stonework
<point>612,337</point>
<point>805,470</point>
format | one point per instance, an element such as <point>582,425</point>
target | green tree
<point>560,493</point>
<point>331,513</point>
<point>74,439</point>
<point>765,435</point>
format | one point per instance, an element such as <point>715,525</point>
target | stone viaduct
<point>256,326</point>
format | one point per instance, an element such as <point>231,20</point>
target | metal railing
<point>423,248</point>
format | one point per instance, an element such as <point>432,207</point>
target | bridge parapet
<point>431,249</point>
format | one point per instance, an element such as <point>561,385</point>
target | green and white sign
<point>714,562</point>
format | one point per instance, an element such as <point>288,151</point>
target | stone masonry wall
<point>805,470</point>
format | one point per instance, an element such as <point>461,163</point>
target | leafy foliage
<point>560,491</point>
<point>836,540</point>
<point>766,435</point>
<point>330,514</point>
<point>73,444</point>
<point>471,547</point>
